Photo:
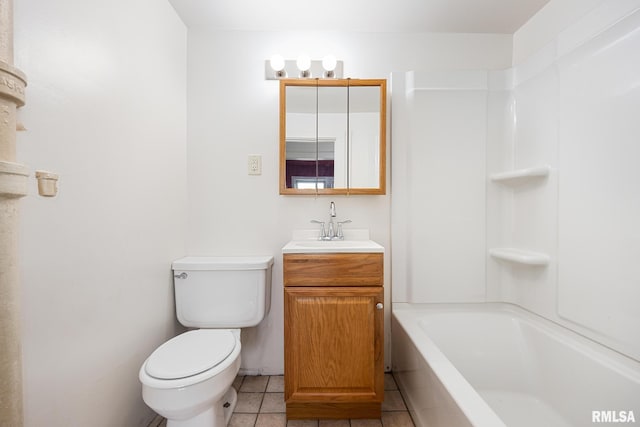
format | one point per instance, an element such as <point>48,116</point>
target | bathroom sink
<point>331,246</point>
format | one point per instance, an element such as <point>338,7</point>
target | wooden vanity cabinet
<point>333,335</point>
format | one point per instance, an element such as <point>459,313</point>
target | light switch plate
<point>255,165</point>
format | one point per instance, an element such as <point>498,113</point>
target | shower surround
<point>521,186</point>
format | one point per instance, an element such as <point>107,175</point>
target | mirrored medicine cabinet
<point>333,136</point>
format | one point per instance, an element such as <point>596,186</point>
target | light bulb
<point>278,65</point>
<point>329,63</point>
<point>303,62</point>
<point>277,62</point>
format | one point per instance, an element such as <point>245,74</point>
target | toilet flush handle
<point>182,275</point>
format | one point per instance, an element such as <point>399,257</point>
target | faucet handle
<point>340,234</point>
<point>323,234</point>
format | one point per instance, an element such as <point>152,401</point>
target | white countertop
<point>355,241</point>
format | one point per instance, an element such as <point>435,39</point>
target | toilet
<point>188,379</point>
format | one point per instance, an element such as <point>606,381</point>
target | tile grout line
<point>403,400</point>
<point>286,423</point>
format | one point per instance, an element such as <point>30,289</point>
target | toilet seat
<point>190,354</point>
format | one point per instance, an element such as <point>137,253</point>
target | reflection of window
<point>309,183</point>
<point>306,171</point>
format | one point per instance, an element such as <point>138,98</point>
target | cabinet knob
<point>379,306</point>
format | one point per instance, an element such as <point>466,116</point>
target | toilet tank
<point>222,292</point>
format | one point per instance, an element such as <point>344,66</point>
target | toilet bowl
<point>188,379</point>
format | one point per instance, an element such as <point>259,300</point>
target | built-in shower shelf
<point>520,256</point>
<point>518,175</point>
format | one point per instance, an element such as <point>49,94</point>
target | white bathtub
<point>491,365</point>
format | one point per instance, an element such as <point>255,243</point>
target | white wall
<point>233,112</point>
<point>106,109</point>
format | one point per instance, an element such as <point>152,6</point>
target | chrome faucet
<point>331,233</point>
<point>332,214</point>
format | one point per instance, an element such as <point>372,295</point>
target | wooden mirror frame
<point>382,84</point>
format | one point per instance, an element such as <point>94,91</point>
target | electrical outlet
<point>255,165</point>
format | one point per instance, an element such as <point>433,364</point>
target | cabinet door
<point>334,344</point>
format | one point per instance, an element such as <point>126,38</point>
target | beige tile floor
<point>261,404</point>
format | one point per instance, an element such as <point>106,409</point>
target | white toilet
<point>188,379</point>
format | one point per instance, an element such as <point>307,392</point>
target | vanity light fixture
<point>277,68</point>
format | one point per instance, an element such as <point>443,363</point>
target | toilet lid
<point>190,353</point>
